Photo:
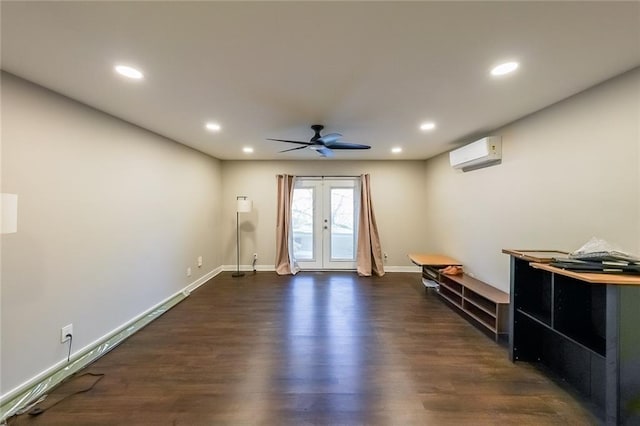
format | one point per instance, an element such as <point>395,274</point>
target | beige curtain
<point>284,259</point>
<point>369,256</point>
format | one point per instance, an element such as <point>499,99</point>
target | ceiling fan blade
<point>284,140</point>
<point>293,149</point>
<point>323,145</point>
<point>324,151</point>
<point>329,138</point>
<point>347,145</point>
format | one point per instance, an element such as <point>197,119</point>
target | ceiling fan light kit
<point>323,145</point>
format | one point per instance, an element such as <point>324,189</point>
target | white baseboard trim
<point>197,283</point>
<point>22,395</point>
<point>248,268</point>
<point>260,268</point>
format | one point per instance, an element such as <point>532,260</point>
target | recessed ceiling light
<point>247,150</point>
<point>505,68</point>
<point>396,150</point>
<point>428,126</point>
<point>129,72</point>
<point>213,127</point>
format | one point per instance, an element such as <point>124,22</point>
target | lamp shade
<point>9,218</point>
<point>243,205</point>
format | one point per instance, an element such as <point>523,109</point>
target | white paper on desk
<point>599,249</point>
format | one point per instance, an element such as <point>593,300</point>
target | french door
<point>324,215</point>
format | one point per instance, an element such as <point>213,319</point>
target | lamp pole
<point>243,205</point>
<point>237,273</point>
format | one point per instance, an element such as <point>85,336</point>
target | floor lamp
<point>243,205</point>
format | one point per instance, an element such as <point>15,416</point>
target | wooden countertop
<point>538,256</point>
<point>613,279</point>
<point>433,260</point>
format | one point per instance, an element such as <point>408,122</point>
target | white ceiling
<point>372,71</point>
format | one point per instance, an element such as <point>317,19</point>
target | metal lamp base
<point>237,274</point>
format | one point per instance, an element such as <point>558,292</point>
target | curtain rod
<point>325,176</point>
<point>329,176</point>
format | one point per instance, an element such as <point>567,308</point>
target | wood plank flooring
<point>320,348</point>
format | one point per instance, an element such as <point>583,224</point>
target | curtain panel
<point>285,264</point>
<point>369,253</point>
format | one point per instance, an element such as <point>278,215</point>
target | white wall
<point>397,190</point>
<point>569,172</point>
<point>110,216</point>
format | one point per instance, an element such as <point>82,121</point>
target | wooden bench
<point>487,305</point>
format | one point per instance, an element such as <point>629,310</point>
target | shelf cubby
<point>451,285</point>
<point>580,312</point>
<point>533,294</point>
<point>451,296</point>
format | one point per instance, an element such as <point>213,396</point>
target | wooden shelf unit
<point>487,305</point>
<point>582,327</point>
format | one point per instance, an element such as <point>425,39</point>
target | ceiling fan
<point>323,145</point>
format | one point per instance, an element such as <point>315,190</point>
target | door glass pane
<point>302,223</point>
<point>342,224</point>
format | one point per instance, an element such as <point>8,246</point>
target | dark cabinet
<point>583,328</point>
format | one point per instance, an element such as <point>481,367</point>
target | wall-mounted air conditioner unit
<point>482,153</point>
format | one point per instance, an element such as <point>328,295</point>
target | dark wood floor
<point>314,349</point>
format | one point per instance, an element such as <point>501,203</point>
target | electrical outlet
<point>199,261</point>
<point>64,331</point>
<point>255,256</point>
<point>189,272</point>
